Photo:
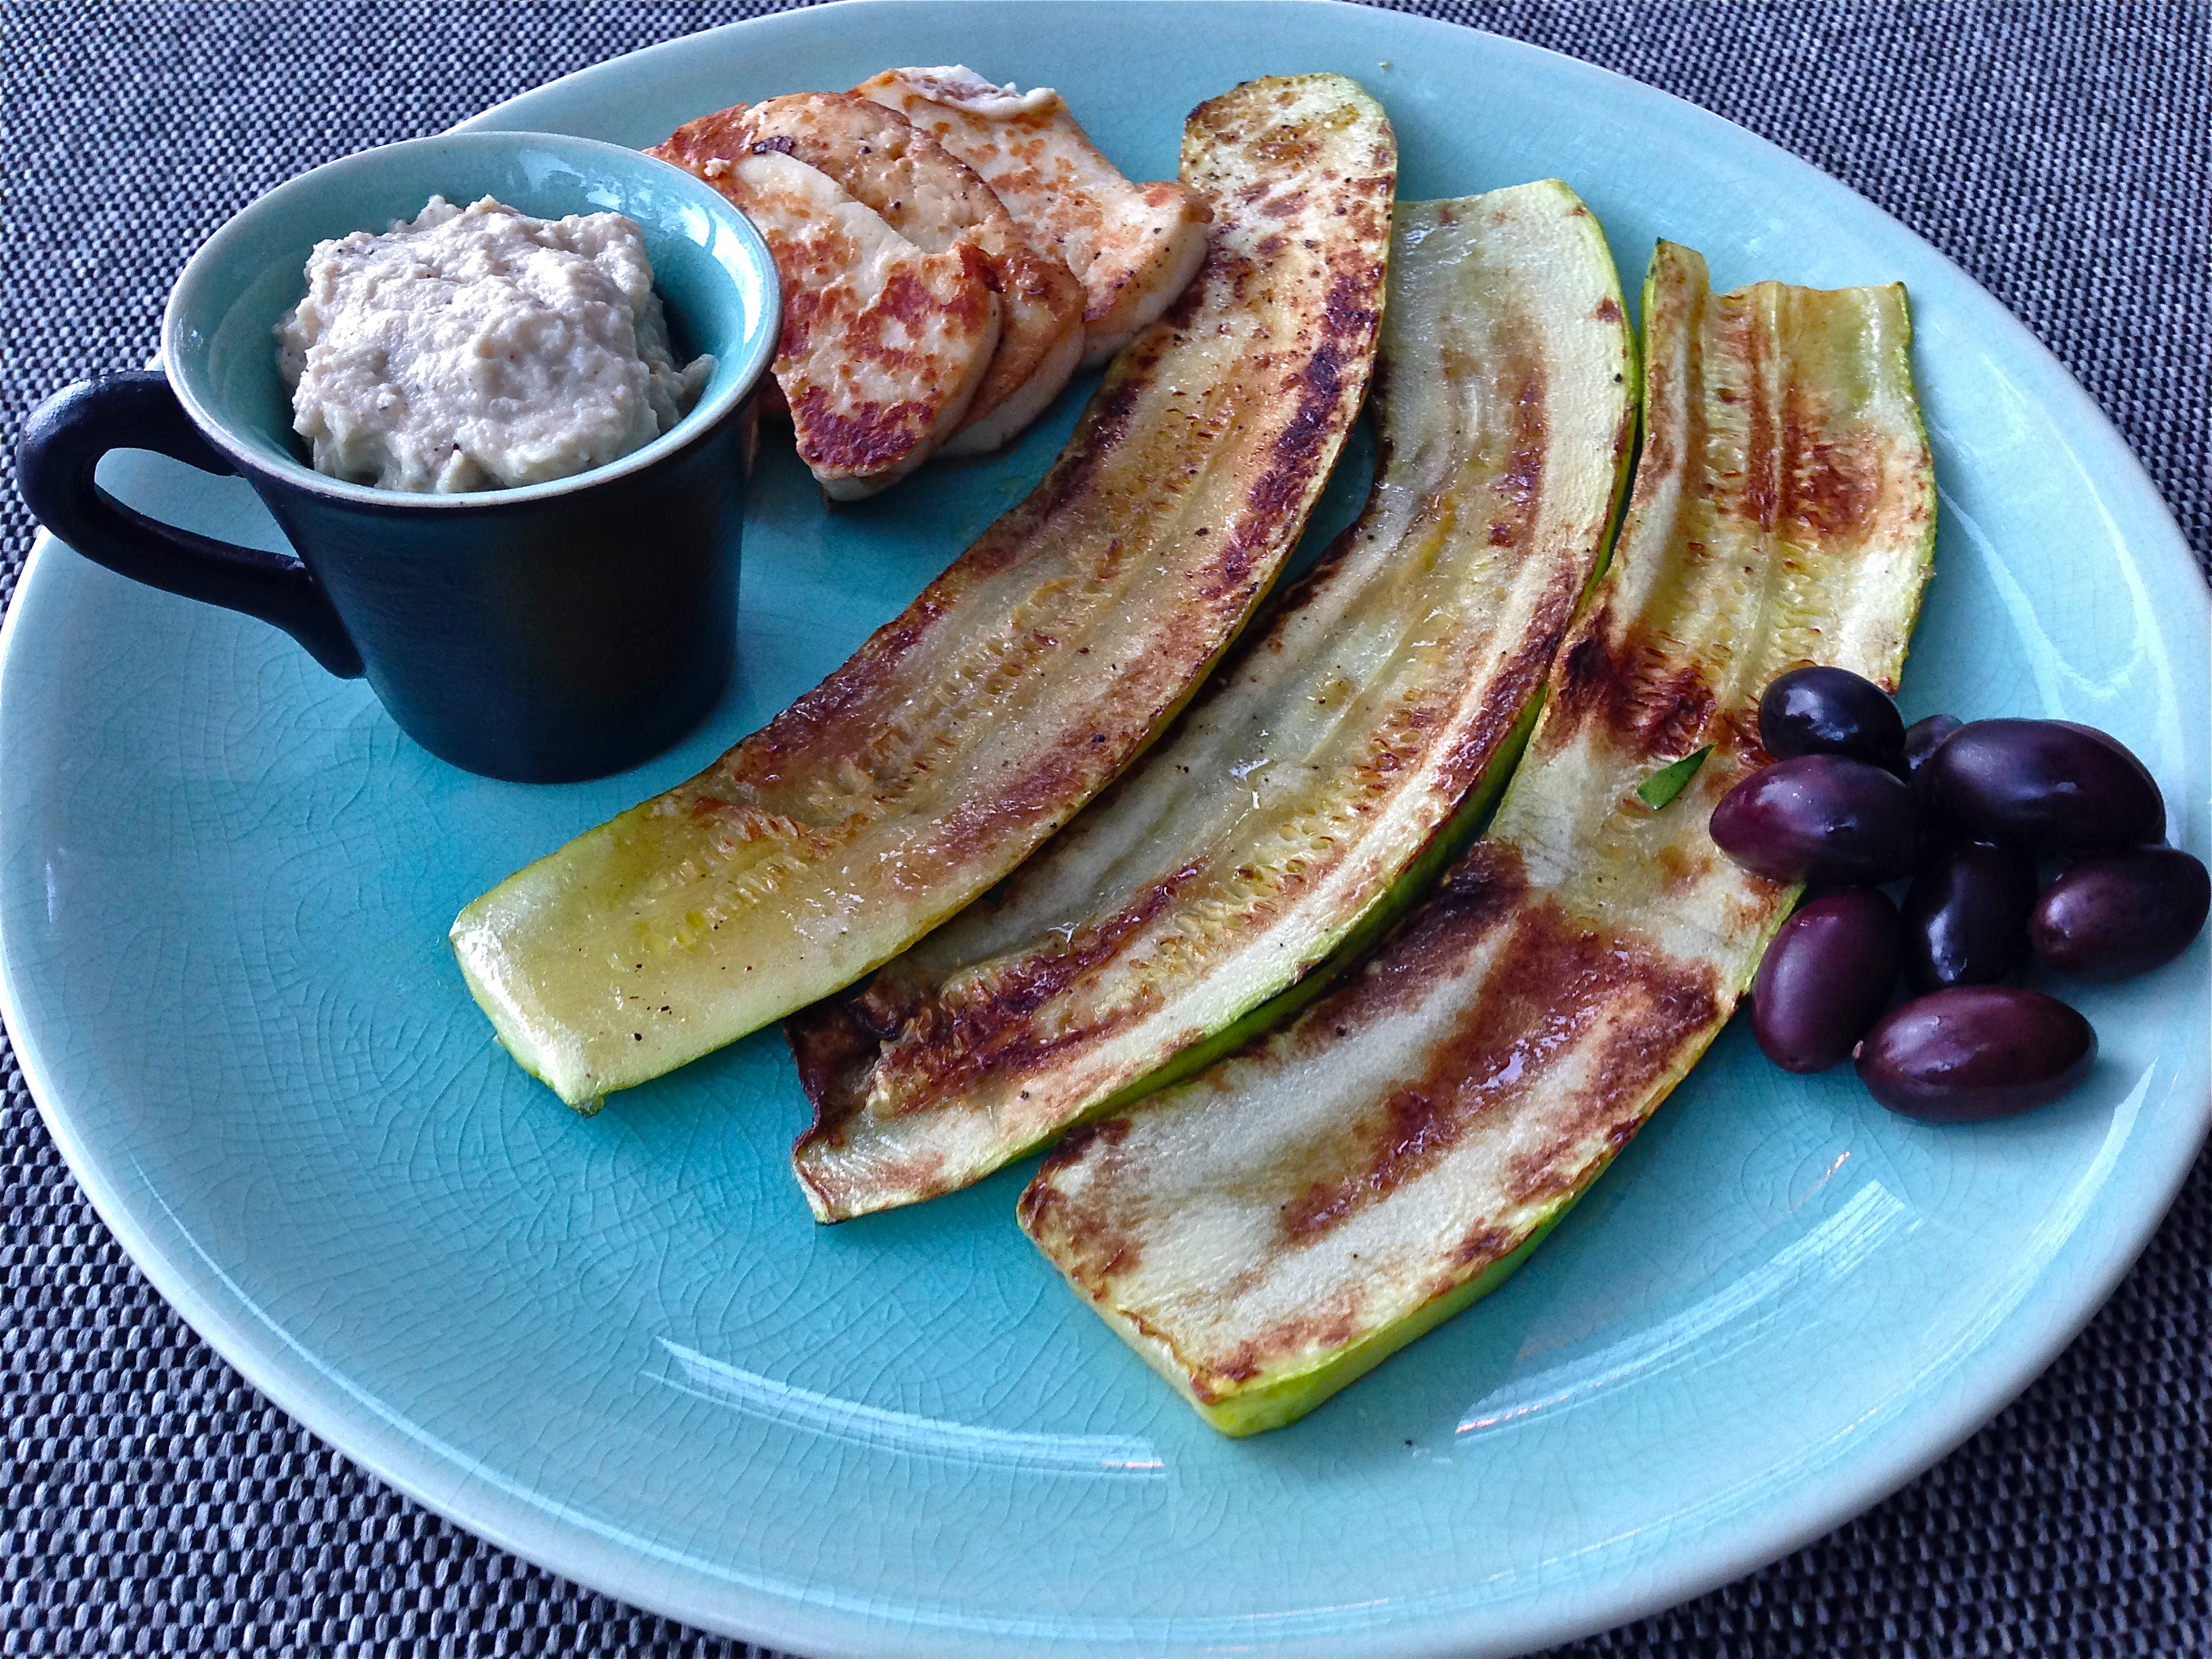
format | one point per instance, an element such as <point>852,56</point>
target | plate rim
<point>538,1532</point>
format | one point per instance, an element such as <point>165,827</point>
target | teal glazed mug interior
<point>542,634</point>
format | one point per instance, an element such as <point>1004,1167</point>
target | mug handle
<point>63,441</point>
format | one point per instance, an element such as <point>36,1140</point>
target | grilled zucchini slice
<point>1312,775</point>
<point>975,724</point>
<point>1269,1230</point>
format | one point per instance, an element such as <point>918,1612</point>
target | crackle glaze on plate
<point>619,1347</point>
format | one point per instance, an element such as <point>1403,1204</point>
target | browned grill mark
<point>904,298</point>
<point>1829,488</point>
<point>1627,685</point>
<point>945,1046</point>
<point>709,138</point>
<point>1520,487</point>
<point>1513,685</point>
<point>1416,1129</point>
<point>1333,1327</point>
<point>1665,715</point>
<point>1484,1245</point>
<point>1586,669</point>
<point>1744,341</point>
<point>1680,871</point>
<point>1679,1001</point>
<point>1669,313</point>
<point>1479,893</point>
<point>1553,981</point>
<point>1350,316</point>
<point>917,1171</point>
<point>1091,1248</point>
<point>840,714</point>
<point>1104,429</point>
<point>1736,735</point>
<point>1487,883</point>
<point>832,1046</point>
<point>875,434</point>
<point>846,712</point>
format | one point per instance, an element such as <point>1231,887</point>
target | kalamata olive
<point>1976,1052</point>
<point>1922,738</point>
<point>2120,914</point>
<point>2048,786</point>
<point>1939,835</point>
<point>1826,979</point>
<point>1819,818</point>
<point>1965,917</point>
<point>1830,711</point>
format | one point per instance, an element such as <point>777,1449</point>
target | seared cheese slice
<point>883,344</point>
<point>1134,246</point>
<point>935,200</point>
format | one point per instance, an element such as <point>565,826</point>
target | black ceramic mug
<point>557,631</point>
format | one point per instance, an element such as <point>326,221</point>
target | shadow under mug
<point>561,631</point>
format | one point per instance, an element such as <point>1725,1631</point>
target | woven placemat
<point>155,1503</point>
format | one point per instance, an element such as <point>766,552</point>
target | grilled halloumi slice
<point>883,344</point>
<point>934,200</point>
<point>1134,246</point>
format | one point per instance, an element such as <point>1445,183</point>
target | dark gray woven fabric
<point>155,1503</point>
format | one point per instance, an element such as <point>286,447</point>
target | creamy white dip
<point>480,349</point>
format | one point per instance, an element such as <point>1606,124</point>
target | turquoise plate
<point>618,1346</point>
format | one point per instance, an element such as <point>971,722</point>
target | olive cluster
<point>1969,813</point>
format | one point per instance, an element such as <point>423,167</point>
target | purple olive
<point>1923,737</point>
<point>2121,914</point>
<point>2048,786</point>
<point>1965,917</point>
<point>1830,711</point>
<point>1826,979</point>
<point>1976,1052</point>
<point>1938,834</point>
<point>1819,818</point>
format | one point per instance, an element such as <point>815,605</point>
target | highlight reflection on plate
<point>906,1435</point>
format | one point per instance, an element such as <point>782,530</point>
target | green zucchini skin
<point>1323,777</point>
<point>1269,1230</point>
<point>1021,682</point>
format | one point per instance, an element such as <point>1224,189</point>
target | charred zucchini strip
<point>1315,771</point>
<point>1269,1230</point>
<point>975,724</point>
